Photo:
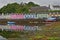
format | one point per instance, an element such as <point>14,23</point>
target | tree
<point>31,4</point>
<point>17,8</point>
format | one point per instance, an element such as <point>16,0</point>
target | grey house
<point>38,9</point>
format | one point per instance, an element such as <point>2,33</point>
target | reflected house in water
<point>19,28</point>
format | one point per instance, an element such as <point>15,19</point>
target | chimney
<point>49,5</point>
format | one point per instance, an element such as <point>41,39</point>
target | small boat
<point>10,23</point>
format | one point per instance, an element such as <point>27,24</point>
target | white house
<point>54,7</point>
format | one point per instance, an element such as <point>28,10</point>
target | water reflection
<point>20,27</point>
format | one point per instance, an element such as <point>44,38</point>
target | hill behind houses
<point>17,8</point>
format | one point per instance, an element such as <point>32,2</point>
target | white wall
<point>52,8</point>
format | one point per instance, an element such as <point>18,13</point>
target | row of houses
<point>30,15</point>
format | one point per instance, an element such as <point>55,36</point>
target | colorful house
<point>16,16</point>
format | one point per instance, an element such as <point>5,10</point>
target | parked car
<point>50,19</point>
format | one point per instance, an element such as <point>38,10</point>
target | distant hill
<point>17,8</point>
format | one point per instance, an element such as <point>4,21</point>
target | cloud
<point>40,2</point>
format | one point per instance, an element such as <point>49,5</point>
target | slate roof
<point>39,9</point>
<point>56,6</point>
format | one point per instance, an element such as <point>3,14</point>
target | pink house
<point>17,16</point>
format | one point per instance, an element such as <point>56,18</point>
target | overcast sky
<point>40,2</point>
